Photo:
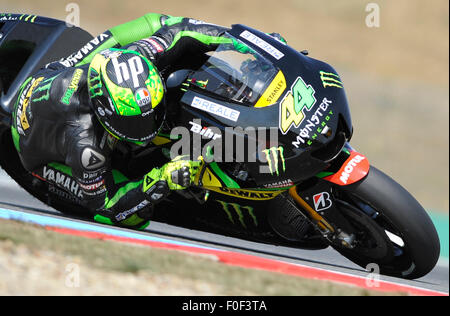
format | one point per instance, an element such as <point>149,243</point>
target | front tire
<point>398,227</point>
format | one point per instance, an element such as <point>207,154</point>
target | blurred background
<point>396,75</point>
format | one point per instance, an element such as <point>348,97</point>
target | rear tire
<point>417,251</point>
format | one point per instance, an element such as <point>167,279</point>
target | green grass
<point>125,261</point>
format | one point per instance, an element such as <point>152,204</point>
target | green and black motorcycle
<point>301,184</point>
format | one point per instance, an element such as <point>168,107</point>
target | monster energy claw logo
<point>330,79</point>
<point>228,207</point>
<point>43,88</point>
<point>274,164</point>
<point>26,17</point>
<point>94,84</point>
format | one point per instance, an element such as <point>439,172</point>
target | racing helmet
<point>127,95</point>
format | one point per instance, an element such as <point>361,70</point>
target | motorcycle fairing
<point>354,169</point>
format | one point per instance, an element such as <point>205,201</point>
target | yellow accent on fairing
<point>209,180</point>
<point>158,141</point>
<point>256,195</point>
<point>273,92</point>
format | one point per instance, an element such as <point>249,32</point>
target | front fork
<point>318,201</point>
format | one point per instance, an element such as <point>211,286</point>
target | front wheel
<point>395,232</point>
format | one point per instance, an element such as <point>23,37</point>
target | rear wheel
<point>395,232</point>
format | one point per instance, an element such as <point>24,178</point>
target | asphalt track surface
<point>13,197</point>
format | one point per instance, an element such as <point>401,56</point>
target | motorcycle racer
<point>76,110</point>
<point>82,130</point>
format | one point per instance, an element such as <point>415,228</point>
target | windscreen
<point>235,72</point>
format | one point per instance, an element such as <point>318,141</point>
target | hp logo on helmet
<point>123,69</point>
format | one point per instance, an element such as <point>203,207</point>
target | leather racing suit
<point>53,121</point>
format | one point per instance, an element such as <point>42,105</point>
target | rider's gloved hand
<point>180,174</point>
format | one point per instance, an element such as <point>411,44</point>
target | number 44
<point>300,97</point>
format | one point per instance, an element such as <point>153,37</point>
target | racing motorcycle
<point>307,189</point>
